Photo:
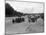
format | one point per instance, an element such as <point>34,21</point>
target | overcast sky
<point>26,7</point>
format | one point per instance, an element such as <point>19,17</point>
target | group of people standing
<point>31,18</point>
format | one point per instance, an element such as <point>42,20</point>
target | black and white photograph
<point>24,17</point>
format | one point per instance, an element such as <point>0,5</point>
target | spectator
<point>18,20</point>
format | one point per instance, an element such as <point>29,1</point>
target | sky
<point>27,7</point>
